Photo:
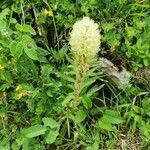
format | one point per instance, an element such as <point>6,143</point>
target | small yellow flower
<point>85,39</point>
<point>1,67</point>
<point>48,13</point>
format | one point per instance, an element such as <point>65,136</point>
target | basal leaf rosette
<point>84,40</point>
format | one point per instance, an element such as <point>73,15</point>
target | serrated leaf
<point>50,122</point>
<point>51,137</point>
<point>34,131</point>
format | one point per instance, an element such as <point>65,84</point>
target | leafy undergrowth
<point>37,77</point>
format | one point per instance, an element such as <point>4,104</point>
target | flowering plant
<point>84,41</point>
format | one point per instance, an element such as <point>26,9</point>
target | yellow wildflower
<point>48,12</point>
<point>85,39</point>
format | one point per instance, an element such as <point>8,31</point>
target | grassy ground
<point>38,77</point>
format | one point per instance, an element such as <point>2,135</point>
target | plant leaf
<point>113,117</point>
<point>67,99</point>
<point>105,124</point>
<point>29,47</point>
<point>51,137</point>
<point>34,131</point>
<point>25,28</point>
<point>50,122</point>
<point>80,116</point>
<point>86,101</point>
<point>16,49</point>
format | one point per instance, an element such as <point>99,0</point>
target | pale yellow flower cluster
<point>85,39</point>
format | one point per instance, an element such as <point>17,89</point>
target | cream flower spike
<point>85,39</point>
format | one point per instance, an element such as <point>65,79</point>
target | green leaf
<point>31,52</point>
<point>96,138</point>
<point>5,42</point>
<point>107,26</point>
<point>105,124</point>
<point>138,119</point>
<point>94,89</point>
<point>113,117</point>
<point>15,146</point>
<point>25,28</point>
<point>67,99</point>
<point>16,49</point>
<point>46,69</point>
<point>80,116</point>
<point>4,144</point>
<point>2,24</point>
<point>136,109</point>
<point>146,62</point>
<point>89,148</point>
<point>50,122</point>
<point>13,20</point>
<point>42,54</point>
<point>34,131</point>
<point>89,81</point>
<point>87,103</point>
<point>51,137</point>
<point>29,47</point>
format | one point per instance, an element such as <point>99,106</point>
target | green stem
<point>80,76</point>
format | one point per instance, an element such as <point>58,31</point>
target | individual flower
<point>48,13</point>
<point>85,39</point>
